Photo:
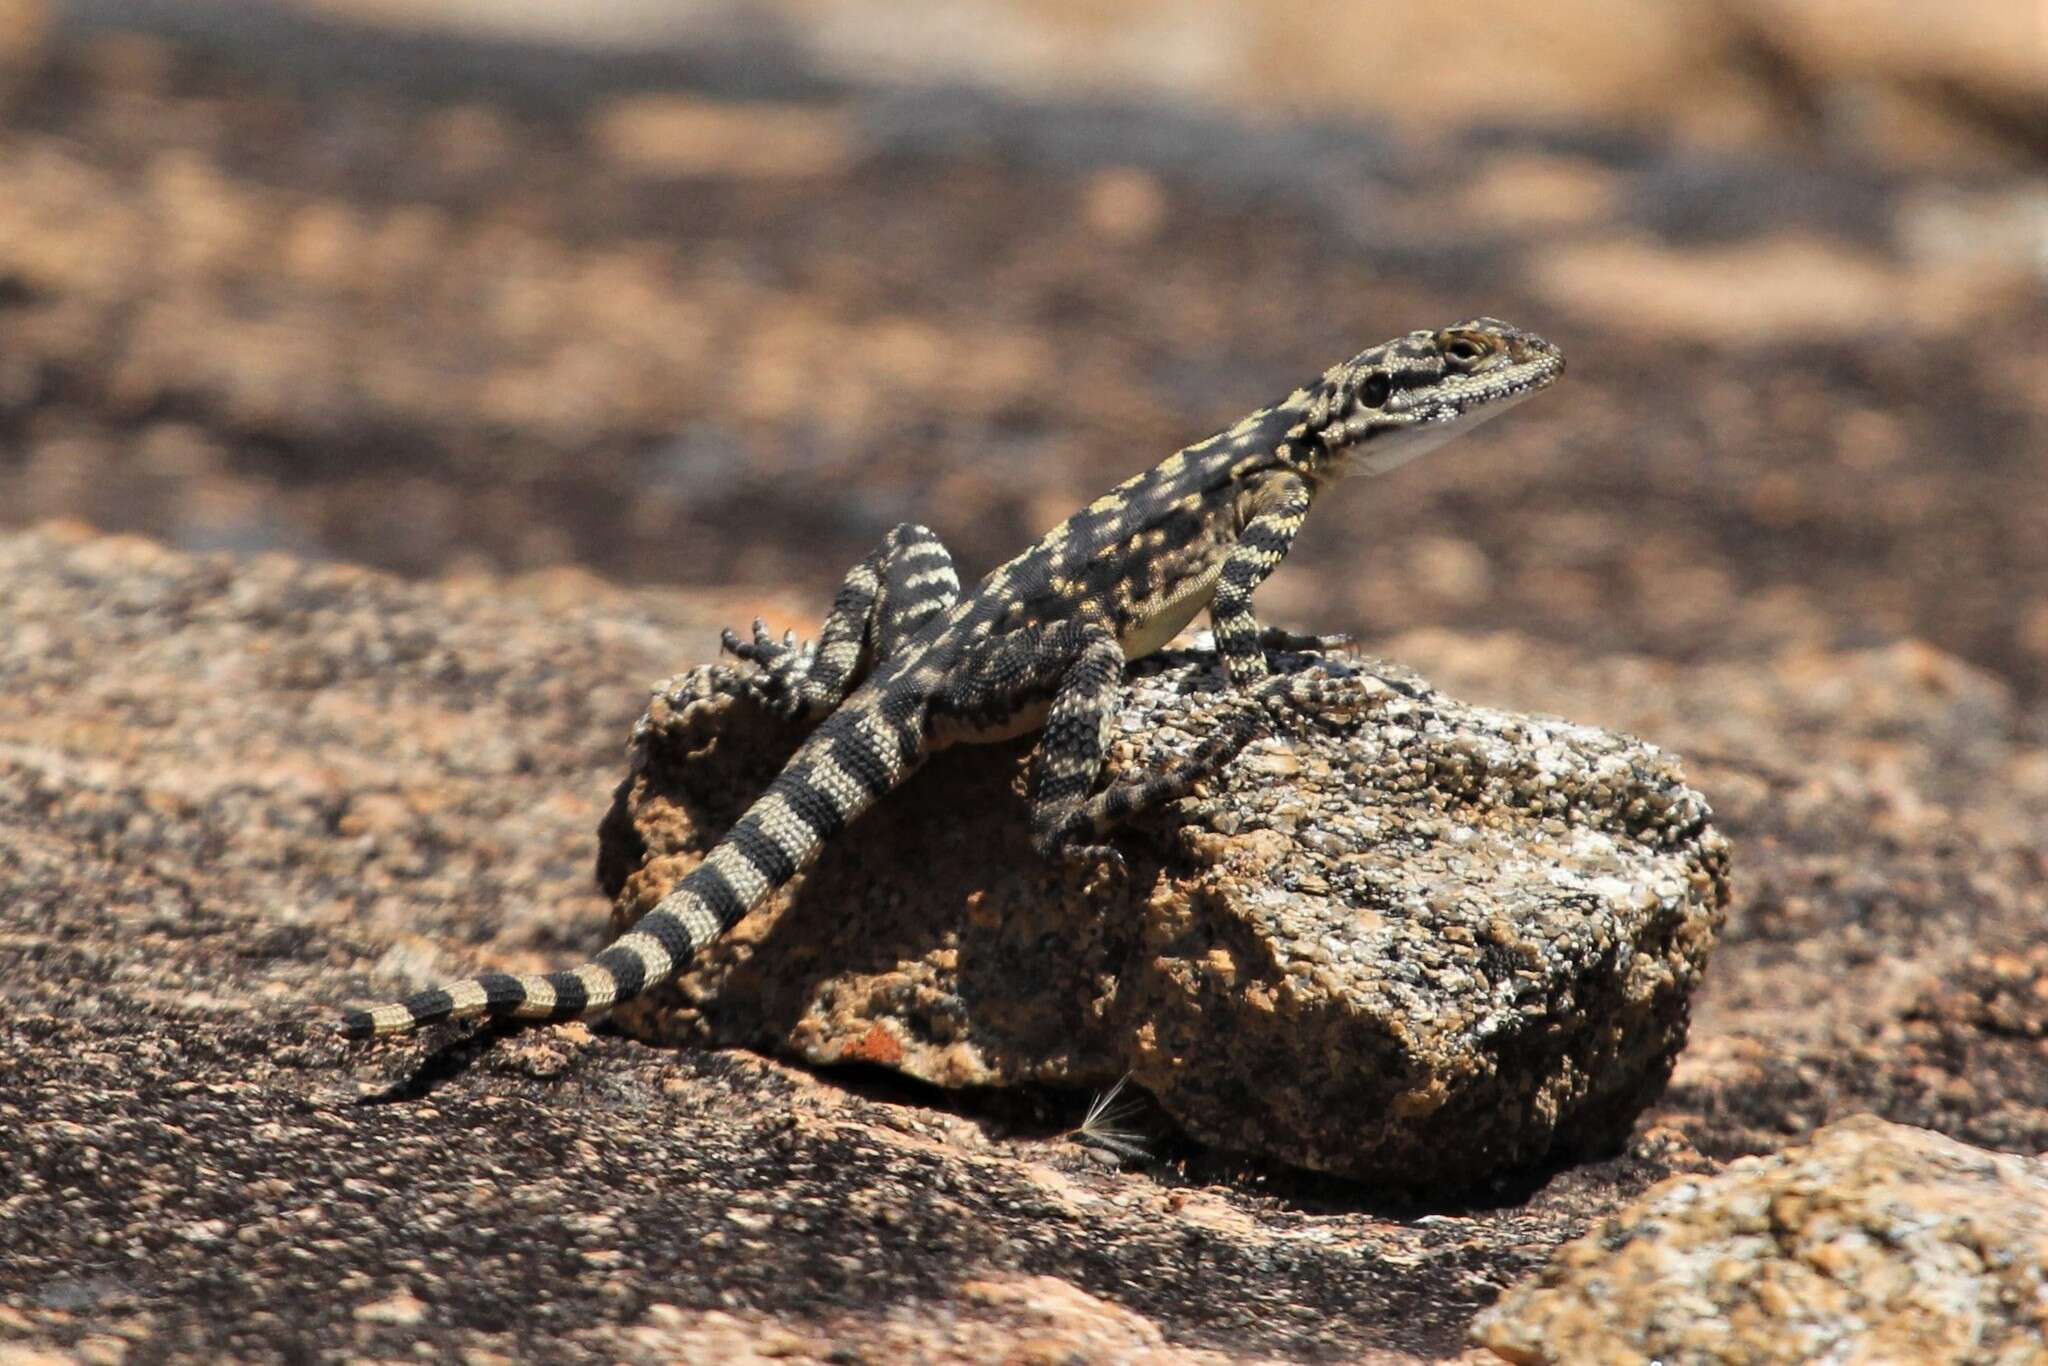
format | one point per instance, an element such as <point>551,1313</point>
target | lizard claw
<point>1105,858</point>
<point>1068,844</point>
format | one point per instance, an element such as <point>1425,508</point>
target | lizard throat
<point>1392,449</point>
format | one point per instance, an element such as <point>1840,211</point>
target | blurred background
<point>712,294</point>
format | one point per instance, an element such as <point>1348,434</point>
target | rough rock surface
<point>1873,1242</point>
<point>1445,942</point>
<point>235,797</point>
<point>273,283</point>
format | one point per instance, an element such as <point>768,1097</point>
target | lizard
<point>906,663</point>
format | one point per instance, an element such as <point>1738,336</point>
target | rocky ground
<point>1874,1242</point>
<point>518,326</point>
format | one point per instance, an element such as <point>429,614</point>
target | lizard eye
<point>1378,387</point>
<point>1463,350</point>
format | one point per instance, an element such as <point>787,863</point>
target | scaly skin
<point>906,663</point>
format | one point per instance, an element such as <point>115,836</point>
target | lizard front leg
<point>884,600</point>
<point>1260,547</point>
<point>1240,642</point>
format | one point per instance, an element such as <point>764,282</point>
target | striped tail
<point>846,765</point>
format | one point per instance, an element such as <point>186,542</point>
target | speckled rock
<point>280,286</point>
<point>1876,1242</point>
<point>236,797</point>
<point>1419,948</point>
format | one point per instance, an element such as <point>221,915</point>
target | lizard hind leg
<point>1280,703</point>
<point>1086,823</point>
<point>1070,747</point>
<point>903,583</point>
<point>1072,827</point>
<point>919,584</point>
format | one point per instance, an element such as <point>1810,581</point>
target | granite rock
<point>1873,1242</point>
<point>237,796</point>
<point>273,284</point>
<point>1419,948</point>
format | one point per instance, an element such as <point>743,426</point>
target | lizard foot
<point>1324,699</point>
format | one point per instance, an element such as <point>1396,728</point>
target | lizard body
<point>905,663</point>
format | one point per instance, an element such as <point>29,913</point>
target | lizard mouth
<point>1525,365</point>
<point>1477,404</point>
<point>1487,392</point>
<point>1531,364</point>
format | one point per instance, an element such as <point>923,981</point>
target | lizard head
<point>1393,402</point>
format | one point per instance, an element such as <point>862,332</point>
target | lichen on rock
<point>1417,948</point>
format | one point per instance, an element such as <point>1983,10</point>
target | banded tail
<point>846,765</point>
